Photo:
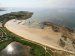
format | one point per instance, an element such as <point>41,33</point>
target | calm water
<point>62,16</point>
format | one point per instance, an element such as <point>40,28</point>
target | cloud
<point>28,3</point>
<point>38,3</point>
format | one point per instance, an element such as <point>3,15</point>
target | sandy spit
<point>42,36</point>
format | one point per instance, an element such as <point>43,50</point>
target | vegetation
<point>6,37</point>
<point>15,15</point>
<point>36,50</point>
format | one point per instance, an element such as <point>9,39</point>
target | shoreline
<point>30,34</point>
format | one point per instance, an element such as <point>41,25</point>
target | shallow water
<point>61,16</point>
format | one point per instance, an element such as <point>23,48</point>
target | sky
<point>37,3</point>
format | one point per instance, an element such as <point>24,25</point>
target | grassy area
<point>36,50</point>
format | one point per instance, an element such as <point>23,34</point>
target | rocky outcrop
<point>67,40</point>
<point>55,27</point>
<point>15,15</point>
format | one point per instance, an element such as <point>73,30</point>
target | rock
<point>55,27</point>
<point>62,43</point>
<point>73,42</point>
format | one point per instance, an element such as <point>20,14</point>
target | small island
<point>21,15</point>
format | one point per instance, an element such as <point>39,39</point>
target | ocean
<point>60,16</point>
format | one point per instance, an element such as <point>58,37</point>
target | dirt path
<point>42,36</point>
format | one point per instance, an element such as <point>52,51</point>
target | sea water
<point>61,16</point>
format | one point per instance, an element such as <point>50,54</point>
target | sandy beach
<point>42,36</point>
